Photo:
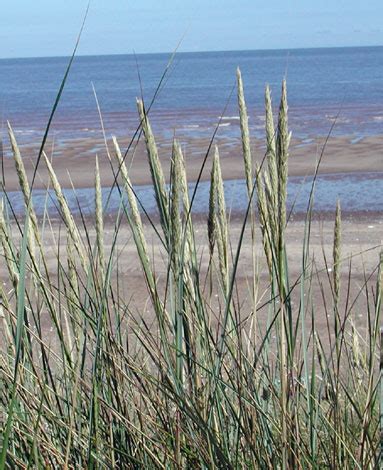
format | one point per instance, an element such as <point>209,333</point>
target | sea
<point>191,93</point>
<point>195,89</point>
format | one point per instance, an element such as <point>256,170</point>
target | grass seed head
<point>244,123</point>
<point>155,167</point>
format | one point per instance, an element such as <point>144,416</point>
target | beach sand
<point>361,245</point>
<point>74,162</point>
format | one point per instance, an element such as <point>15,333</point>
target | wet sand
<point>74,161</point>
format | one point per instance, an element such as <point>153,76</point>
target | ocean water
<point>322,83</point>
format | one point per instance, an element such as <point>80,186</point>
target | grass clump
<point>198,378</point>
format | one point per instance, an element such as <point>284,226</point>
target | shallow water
<point>362,192</point>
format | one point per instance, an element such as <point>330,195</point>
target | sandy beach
<point>361,245</point>
<point>74,162</point>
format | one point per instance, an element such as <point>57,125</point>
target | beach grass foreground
<point>196,376</point>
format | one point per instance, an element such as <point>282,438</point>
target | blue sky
<point>49,27</point>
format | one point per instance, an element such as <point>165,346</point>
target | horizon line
<point>193,52</point>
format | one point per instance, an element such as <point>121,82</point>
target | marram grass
<point>192,380</point>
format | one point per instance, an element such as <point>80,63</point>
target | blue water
<point>321,83</point>
<point>357,193</point>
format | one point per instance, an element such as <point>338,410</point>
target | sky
<point>50,27</point>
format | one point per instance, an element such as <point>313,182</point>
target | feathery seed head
<point>244,123</point>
